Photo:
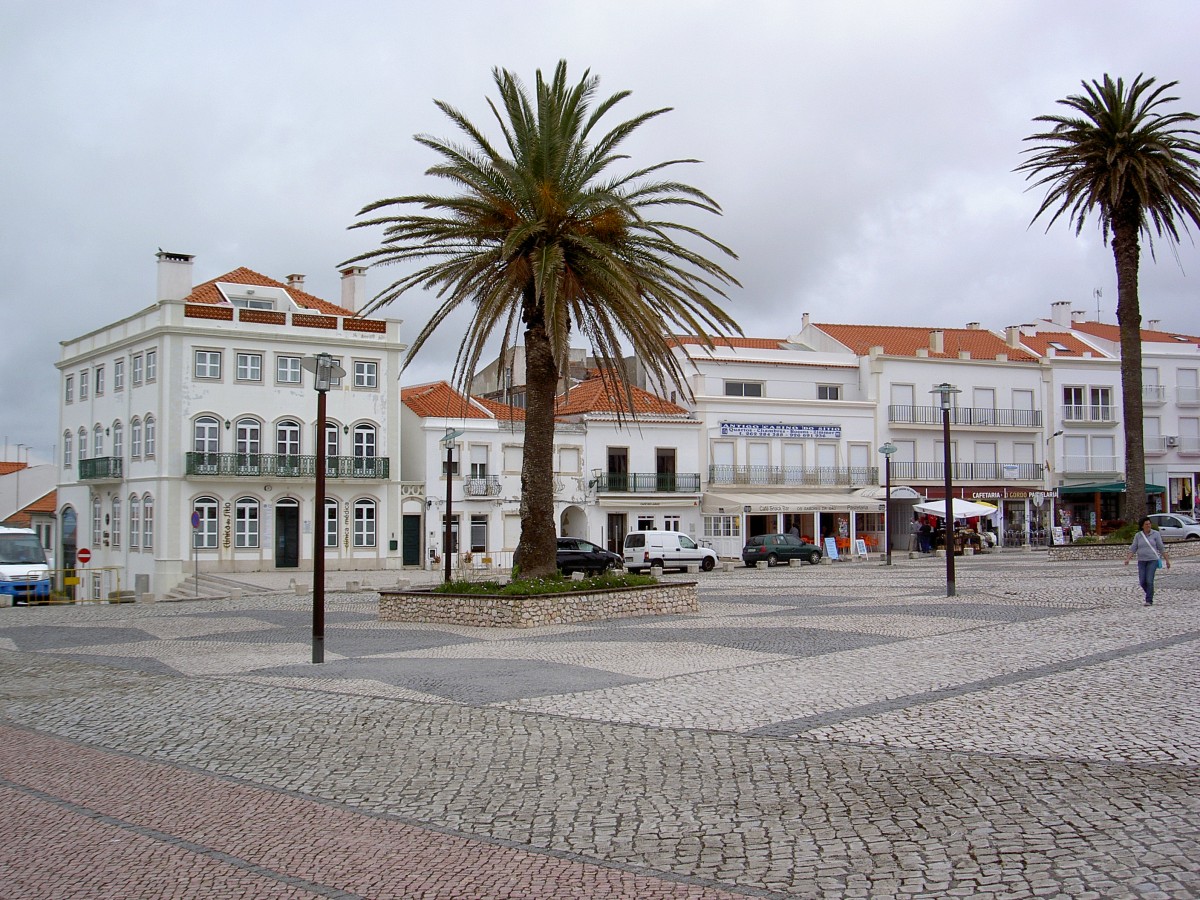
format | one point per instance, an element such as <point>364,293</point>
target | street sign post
<point>83,555</point>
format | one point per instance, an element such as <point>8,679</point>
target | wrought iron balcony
<point>795,475</point>
<point>966,415</point>
<point>1091,412</point>
<point>964,471</point>
<point>648,483</point>
<point>278,465</point>
<point>102,468</point>
<point>481,486</point>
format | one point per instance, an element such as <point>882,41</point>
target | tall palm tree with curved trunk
<point>540,233</point>
<point>1121,155</point>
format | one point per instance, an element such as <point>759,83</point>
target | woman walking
<point>1151,555</point>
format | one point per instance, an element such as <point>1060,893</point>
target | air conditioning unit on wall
<point>1172,440</point>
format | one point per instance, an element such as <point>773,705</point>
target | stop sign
<point>84,555</point>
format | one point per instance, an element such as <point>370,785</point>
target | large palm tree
<point>541,233</point>
<point>1121,155</point>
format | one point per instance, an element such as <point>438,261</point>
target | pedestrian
<point>1151,555</point>
<point>795,530</point>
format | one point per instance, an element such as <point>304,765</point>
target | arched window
<point>147,522</point>
<point>135,522</point>
<point>332,439</point>
<point>364,441</point>
<point>287,438</point>
<point>135,439</point>
<point>249,437</point>
<point>150,437</point>
<point>364,523</point>
<point>68,449</point>
<point>83,443</point>
<point>97,441</point>
<point>118,435</point>
<point>206,435</point>
<point>96,523</point>
<point>331,523</point>
<point>204,537</point>
<point>245,518</point>
<point>116,522</point>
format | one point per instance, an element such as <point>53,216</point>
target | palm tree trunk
<point>538,546</point>
<point>1129,318</point>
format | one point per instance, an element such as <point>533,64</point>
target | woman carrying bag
<point>1151,555</point>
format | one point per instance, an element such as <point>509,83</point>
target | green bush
<point>556,584</point>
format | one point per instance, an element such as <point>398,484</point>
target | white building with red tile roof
<point>199,407</point>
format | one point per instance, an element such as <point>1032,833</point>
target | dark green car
<point>779,548</point>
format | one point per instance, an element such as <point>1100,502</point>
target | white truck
<point>24,573</point>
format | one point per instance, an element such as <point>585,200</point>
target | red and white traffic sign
<point>84,555</point>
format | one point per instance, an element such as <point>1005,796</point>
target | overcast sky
<point>862,152</point>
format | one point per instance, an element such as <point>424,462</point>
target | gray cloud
<point>863,153</point>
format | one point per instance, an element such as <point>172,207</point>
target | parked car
<point>1176,526</point>
<point>779,548</point>
<point>669,549</point>
<point>579,555</point>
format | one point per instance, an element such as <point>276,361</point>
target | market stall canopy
<point>788,502</point>
<point>1104,487</point>
<point>899,492</point>
<point>962,509</point>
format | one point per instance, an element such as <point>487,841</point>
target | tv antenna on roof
<point>1097,293</point>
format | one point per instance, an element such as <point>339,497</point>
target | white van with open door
<point>669,549</point>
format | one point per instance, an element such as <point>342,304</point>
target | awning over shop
<point>1103,487</point>
<point>899,492</point>
<point>788,502</point>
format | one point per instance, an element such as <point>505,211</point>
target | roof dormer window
<point>251,302</point>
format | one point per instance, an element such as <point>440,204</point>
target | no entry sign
<point>84,555</point>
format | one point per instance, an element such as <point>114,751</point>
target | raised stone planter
<point>538,610</point>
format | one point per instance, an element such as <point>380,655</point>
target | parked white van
<point>669,549</point>
<point>24,575</point>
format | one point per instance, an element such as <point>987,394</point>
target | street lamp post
<point>946,394</point>
<point>448,442</point>
<point>887,450</point>
<point>324,370</point>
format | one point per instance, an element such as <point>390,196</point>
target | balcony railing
<point>278,465</point>
<point>102,468</point>
<point>965,471</point>
<point>1158,443</point>
<point>648,483</point>
<point>1187,395</point>
<point>1089,413</point>
<point>965,415</point>
<point>1088,465</point>
<point>794,475</point>
<point>1154,394</point>
<point>1189,446</point>
<point>481,486</point>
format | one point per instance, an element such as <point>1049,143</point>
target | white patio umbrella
<point>961,509</point>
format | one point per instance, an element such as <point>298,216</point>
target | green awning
<point>1104,487</point>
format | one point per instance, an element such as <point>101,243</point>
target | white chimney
<point>1078,315</point>
<point>804,321</point>
<point>937,341</point>
<point>972,326</point>
<point>174,275</point>
<point>354,287</point>
<point>296,281</point>
<point>922,352</point>
<point>1060,313</point>
<point>1012,335</point>
<point>1153,324</point>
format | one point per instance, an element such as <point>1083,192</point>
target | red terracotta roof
<point>7,468</point>
<point>1113,333</point>
<point>208,292</point>
<point>23,518</point>
<point>440,401</point>
<point>502,411</point>
<point>607,395</point>
<point>1040,343</point>
<point>905,340</point>
<point>746,342</point>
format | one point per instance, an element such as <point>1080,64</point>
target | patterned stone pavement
<point>832,731</point>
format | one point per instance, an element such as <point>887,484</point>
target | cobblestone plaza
<point>833,731</point>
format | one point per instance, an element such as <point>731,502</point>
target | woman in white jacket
<point>1148,548</point>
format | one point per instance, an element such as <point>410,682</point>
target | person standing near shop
<point>1151,554</point>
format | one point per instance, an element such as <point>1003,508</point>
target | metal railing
<point>1089,412</point>
<point>965,471</point>
<point>481,486</point>
<point>102,467</point>
<point>1187,395</point>
<point>255,465</point>
<point>797,475</point>
<point>1154,393</point>
<point>648,482</point>
<point>965,415</point>
<point>1090,464</point>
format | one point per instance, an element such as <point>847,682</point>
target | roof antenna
<point>1097,293</point>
